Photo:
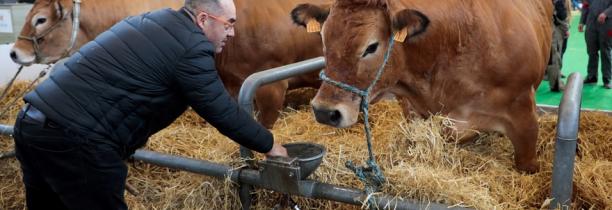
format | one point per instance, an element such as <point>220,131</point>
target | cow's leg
<point>269,100</point>
<point>522,130</point>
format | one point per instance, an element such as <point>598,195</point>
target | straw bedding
<point>418,161</point>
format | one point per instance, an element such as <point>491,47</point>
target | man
<point>107,99</point>
<point>598,32</point>
<point>553,71</point>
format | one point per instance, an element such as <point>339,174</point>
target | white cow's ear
<point>408,24</point>
<point>310,16</point>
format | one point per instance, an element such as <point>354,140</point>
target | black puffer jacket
<point>137,78</point>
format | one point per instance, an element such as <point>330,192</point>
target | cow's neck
<point>424,66</point>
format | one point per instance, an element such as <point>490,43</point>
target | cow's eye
<point>40,21</point>
<point>371,49</point>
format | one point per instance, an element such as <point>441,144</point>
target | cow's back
<point>99,16</point>
<point>539,14</point>
<point>485,39</point>
<point>523,30</point>
<point>497,49</point>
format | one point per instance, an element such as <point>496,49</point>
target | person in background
<point>566,30</point>
<point>560,29</point>
<point>576,5</point>
<point>595,19</point>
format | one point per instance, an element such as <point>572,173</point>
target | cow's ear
<point>408,24</point>
<point>310,16</point>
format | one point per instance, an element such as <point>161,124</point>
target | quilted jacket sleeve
<point>199,81</point>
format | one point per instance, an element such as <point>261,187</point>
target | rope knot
<point>371,175</point>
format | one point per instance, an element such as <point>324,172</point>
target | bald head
<point>212,6</point>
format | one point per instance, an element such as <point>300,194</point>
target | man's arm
<point>564,26</point>
<point>203,89</point>
<point>583,15</point>
<point>608,10</point>
<point>584,12</point>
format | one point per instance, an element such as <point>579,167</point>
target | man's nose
<point>231,32</point>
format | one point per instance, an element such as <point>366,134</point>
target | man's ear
<point>310,16</point>
<point>408,24</point>
<point>201,19</point>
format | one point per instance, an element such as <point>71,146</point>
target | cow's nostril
<point>13,55</point>
<point>335,116</point>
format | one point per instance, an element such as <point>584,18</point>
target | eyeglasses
<point>227,24</point>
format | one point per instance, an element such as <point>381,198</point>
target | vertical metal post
<point>565,145</point>
<point>6,130</point>
<point>9,154</point>
<point>245,100</point>
<point>244,191</point>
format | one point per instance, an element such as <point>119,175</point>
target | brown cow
<point>265,38</point>
<point>479,62</point>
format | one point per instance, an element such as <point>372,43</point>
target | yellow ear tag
<point>313,26</point>
<point>401,35</point>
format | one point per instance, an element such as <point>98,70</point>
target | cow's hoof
<point>529,168</point>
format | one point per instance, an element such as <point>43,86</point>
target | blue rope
<point>370,175</point>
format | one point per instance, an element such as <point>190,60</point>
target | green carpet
<point>594,96</point>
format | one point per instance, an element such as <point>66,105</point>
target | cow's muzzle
<point>21,58</point>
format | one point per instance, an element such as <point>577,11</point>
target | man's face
<point>218,25</point>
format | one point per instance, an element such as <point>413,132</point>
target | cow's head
<point>356,35</point>
<point>46,33</point>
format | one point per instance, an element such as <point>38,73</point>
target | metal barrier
<point>307,188</point>
<point>256,80</point>
<point>565,145</point>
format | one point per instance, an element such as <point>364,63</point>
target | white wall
<point>8,68</point>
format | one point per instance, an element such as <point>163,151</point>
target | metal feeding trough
<point>309,156</point>
<point>284,174</point>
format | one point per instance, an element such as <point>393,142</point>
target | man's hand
<point>580,28</point>
<point>277,150</point>
<point>602,18</point>
<point>567,34</point>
